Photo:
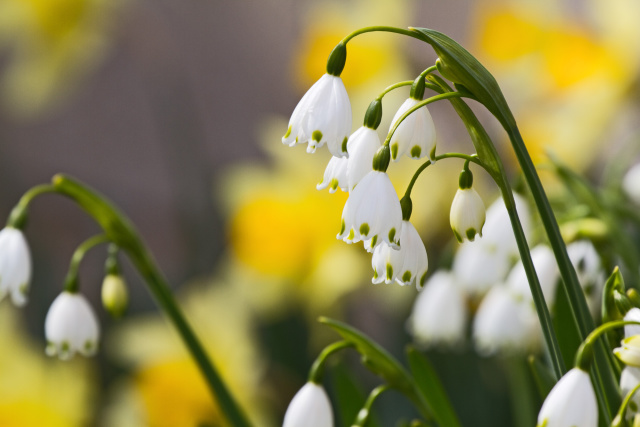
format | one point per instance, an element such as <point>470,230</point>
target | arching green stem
<point>468,158</point>
<point>365,413</point>
<point>416,107</point>
<point>382,28</point>
<point>119,229</point>
<point>394,86</point>
<point>317,369</point>
<point>18,215</point>
<point>619,419</point>
<point>71,283</point>
<point>584,354</point>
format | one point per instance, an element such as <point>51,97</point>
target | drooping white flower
<point>406,265</point>
<point>362,147</point>
<point>571,402</point>
<point>586,261</point>
<point>629,351</point>
<point>497,231</point>
<point>416,135</point>
<point>310,407</point>
<point>505,323</point>
<point>15,265</point>
<point>335,175</point>
<point>439,315</point>
<point>629,379</point>
<point>71,326</point>
<point>548,274</point>
<point>478,267</point>
<point>467,215</point>
<point>323,115</point>
<point>631,183</point>
<point>372,212</point>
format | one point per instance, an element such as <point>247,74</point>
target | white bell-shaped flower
<point>505,323</point>
<point>416,135</point>
<point>629,379</point>
<point>362,147</point>
<point>71,326</point>
<point>631,183</point>
<point>310,407</point>
<point>372,212</point>
<point>406,265</point>
<point>15,265</point>
<point>478,267</point>
<point>586,261</point>
<point>467,215</point>
<point>467,209</point>
<point>548,275</point>
<point>571,402</point>
<point>323,115</point>
<point>439,315</point>
<point>335,175</point>
<point>497,231</point>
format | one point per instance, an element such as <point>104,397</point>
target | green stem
<point>604,372</point>
<point>18,215</point>
<point>488,154</point>
<point>429,70</point>
<point>394,86</point>
<point>382,28</point>
<point>416,107</point>
<point>585,352</point>
<point>317,369</point>
<point>118,228</point>
<point>365,413</point>
<point>469,158</point>
<point>619,419</point>
<point>71,283</point>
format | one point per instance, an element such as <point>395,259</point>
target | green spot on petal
<point>288,134</point>
<point>333,184</point>
<point>423,279</point>
<point>375,273</point>
<point>415,151</point>
<point>316,136</point>
<point>458,236</point>
<point>351,235</point>
<point>471,234</point>
<point>344,144</point>
<point>374,240</point>
<point>394,150</point>
<point>364,229</point>
<point>389,272</point>
<point>406,277</point>
<point>392,234</point>
<point>342,227</point>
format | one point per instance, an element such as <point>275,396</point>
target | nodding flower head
<point>15,265</point>
<point>415,135</point>
<point>310,407</point>
<point>71,326</point>
<point>372,212</point>
<point>323,115</point>
<point>571,402</point>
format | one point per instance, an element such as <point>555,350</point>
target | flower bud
<point>115,297</point>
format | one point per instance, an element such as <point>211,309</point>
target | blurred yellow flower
<point>53,44</point>
<point>37,391</point>
<point>565,74</point>
<point>166,388</point>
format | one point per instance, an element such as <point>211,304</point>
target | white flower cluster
<point>71,325</point>
<point>373,213</point>
<point>486,271</point>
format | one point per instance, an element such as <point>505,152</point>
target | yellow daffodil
<point>52,44</point>
<point>166,389</point>
<point>565,78</point>
<point>36,391</point>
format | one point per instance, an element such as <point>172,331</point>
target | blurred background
<point>175,111</point>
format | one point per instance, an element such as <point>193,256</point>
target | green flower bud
<point>115,297</point>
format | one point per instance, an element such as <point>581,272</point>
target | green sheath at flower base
<point>417,88</point>
<point>337,60</point>
<point>381,159</point>
<point>373,116</point>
